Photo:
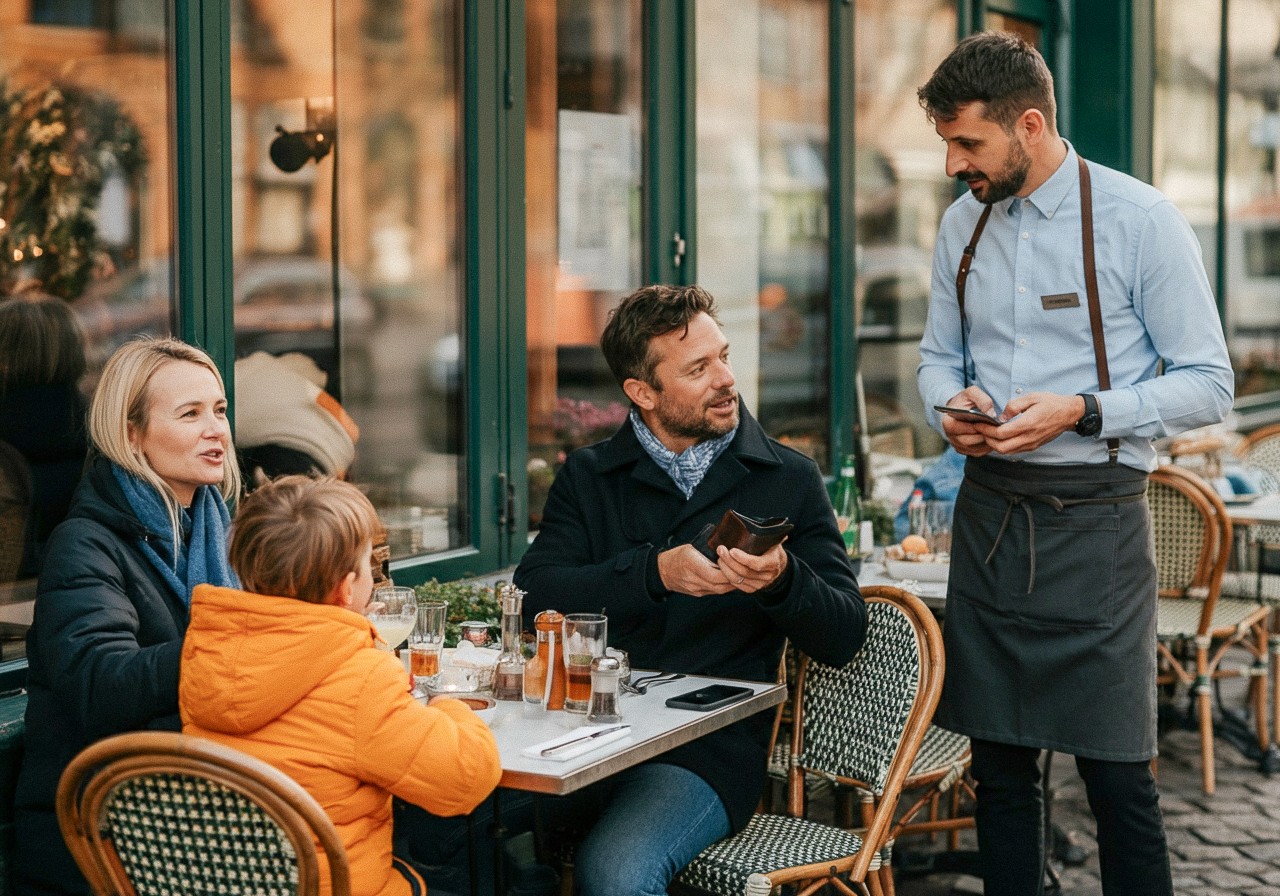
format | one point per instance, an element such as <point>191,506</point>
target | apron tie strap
<point>1014,499</point>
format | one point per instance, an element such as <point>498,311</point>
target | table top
<point>655,729</point>
<point>1260,511</point>
<point>933,594</point>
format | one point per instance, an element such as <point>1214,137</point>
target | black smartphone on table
<point>968,415</point>
<point>713,696</point>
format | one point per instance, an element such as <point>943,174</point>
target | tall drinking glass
<point>585,637</point>
<point>426,642</point>
<point>392,611</point>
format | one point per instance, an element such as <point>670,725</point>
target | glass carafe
<point>509,681</point>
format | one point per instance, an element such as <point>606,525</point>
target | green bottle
<point>848,506</point>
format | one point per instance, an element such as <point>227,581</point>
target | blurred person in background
<point>42,411</point>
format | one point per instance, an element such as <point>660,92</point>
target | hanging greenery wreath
<point>57,145</point>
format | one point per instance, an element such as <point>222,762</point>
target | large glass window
<point>763,200</point>
<point>583,218</point>
<point>85,169</point>
<point>1252,195</point>
<point>347,230</point>
<point>902,191</point>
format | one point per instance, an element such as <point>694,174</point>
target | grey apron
<point>1050,626</point>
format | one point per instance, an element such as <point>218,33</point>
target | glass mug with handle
<point>585,637</point>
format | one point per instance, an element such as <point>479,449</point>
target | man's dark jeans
<point>1132,852</point>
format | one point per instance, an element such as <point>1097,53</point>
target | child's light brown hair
<point>298,536</point>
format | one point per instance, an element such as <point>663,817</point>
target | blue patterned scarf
<point>200,559</point>
<point>687,468</point>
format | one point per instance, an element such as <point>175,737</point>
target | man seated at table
<point>616,534</point>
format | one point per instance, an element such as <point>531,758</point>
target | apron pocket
<point>1075,558</point>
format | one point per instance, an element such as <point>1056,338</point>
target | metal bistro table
<point>655,729</point>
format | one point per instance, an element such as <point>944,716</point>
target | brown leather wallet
<point>738,531</point>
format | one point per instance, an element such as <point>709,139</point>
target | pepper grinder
<point>603,709</point>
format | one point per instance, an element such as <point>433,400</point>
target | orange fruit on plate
<point>915,544</point>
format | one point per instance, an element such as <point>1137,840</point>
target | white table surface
<point>1261,511</point>
<point>934,594</point>
<point>655,729</point>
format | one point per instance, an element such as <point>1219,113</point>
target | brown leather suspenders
<point>1090,283</point>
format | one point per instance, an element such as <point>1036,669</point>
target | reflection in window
<point>582,175</point>
<point>372,310</point>
<point>85,220</point>
<point>902,191</point>
<point>763,205</point>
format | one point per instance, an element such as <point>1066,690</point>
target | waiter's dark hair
<point>998,69</point>
<point>648,312</point>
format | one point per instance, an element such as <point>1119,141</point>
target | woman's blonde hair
<point>122,400</point>
<point>298,537</point>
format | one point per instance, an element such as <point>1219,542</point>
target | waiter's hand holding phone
<point>968,415</point>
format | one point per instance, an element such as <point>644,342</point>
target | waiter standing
<point>1070,300</point>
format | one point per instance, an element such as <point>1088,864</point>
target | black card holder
<point>736,530</point>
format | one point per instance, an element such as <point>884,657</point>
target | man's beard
<point>686,423</point>
<point>1010,179</point>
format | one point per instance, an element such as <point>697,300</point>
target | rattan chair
<point>862,722</point>
<point>1196,626</point>
<point>152,813</point>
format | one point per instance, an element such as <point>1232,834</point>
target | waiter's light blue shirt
<point>1028,313</point>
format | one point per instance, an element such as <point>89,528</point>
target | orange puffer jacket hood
<point>302,687</point>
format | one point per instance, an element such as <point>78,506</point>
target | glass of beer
<point>585,636</point>
<point>426,642</point>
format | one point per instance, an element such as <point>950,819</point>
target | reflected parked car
<point>282,304</point>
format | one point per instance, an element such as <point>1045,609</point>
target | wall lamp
<point>290,150</point>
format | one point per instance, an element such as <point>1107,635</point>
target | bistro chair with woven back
<point>1196,627</point>
<point>860,726</point>
<point>159,812</point>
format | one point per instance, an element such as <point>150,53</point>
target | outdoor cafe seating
<point>859,725</point>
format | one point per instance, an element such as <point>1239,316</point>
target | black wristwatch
<point>1091,423</point>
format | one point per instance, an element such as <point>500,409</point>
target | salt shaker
<point>603,710</point>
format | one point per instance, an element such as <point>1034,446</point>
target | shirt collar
<point>1050,195</point>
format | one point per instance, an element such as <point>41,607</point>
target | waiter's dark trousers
<point>1132,852</point>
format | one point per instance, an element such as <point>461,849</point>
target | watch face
<point>1089,425</point>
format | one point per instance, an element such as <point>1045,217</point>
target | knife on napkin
<point>577,742</point>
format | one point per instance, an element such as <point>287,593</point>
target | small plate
<point>481,704</point>
<point>920,570</point>
<point>1241,500</point>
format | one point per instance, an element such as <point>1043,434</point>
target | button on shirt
<point>1026,334</point>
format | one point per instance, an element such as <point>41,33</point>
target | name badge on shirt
<point>1061,300</point>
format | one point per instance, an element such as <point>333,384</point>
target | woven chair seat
<point>941,750</point>
<point>1245,585</point>
<point>1180,617</point>
<point>769,842</point>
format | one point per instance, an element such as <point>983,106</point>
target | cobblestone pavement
<point>1220,845</point>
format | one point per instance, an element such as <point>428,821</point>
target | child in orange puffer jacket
<point>286,670</point>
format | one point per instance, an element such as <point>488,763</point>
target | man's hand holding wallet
<point>686,569</point>
<point>736,530</point>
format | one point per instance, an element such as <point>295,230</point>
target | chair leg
<point>1205,705</point>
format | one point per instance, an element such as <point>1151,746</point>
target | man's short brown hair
<point>298,537</point>
<point>649,312</point>
<point>996,68</point>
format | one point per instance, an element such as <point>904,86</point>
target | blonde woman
<point>148,523</point>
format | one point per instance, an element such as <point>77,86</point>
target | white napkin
<point>585,746</point>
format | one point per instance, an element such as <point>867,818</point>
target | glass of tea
<point>585,636</point>
<point>426,642</point>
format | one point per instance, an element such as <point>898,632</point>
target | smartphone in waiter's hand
<point>713,696</point>
<point>968,415</point>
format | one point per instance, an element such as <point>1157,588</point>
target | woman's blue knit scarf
<point>201,559</point>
